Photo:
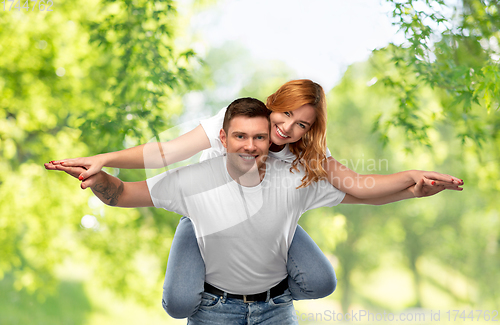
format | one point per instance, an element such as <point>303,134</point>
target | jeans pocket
<point>284,299</point>
<point>209,301</point>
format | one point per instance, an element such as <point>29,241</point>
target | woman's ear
<point>223,138</point>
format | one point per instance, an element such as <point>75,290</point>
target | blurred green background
<point>98,76</point>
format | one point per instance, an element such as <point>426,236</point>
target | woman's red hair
<point>311,148</point>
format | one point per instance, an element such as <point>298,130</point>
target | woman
<point>298,135</point>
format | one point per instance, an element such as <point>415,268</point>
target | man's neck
<point>249,179</point>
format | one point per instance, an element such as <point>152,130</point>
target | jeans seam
<point>302,283</point>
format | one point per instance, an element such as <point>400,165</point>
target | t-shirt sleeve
<point>166,192</point>
<point>212,126</point>
<point>321,194</point>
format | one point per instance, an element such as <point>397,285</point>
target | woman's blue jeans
<point>311,276</point>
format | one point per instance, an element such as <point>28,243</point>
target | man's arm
<point>111,190</point>
<point>401,195</point>
<point>421,189</point>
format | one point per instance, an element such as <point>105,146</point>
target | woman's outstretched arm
<point>149,155</point>
<point>420,189</point>
<point>377,186</point>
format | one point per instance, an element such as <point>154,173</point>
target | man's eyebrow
<point>244,133</point>
<point>305,122</point>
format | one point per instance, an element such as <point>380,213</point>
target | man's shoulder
<point>198,178</point>
<point>198,171</point>
<point>211,164</point>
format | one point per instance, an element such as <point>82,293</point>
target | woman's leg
<point>311,275</point>
<point>185,276</point>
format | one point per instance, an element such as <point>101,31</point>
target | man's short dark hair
<point>249,107</point>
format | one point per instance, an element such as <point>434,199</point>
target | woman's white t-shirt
<point>212,128</point>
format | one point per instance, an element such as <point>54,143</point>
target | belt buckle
<point>245,299</point>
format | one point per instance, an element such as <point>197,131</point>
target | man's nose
<point>250,145</point>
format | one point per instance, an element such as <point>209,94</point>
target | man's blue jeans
<point>311,276</point>
<point>222,310</point>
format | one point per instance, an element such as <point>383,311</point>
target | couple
<point>239,257</point>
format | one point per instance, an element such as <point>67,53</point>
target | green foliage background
<point>79,82</point>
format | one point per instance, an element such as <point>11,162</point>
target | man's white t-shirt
<point>243,232</point>
<point>212,128</point>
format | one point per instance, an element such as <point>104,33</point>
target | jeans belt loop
<point>268,295</point>
<point>224,297</point>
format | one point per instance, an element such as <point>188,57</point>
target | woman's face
<point>289,127</point>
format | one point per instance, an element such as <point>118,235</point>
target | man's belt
<point>274,292</point>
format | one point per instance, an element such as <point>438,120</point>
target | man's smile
<point>248,157</point>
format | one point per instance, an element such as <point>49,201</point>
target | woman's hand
<point>91,165</point>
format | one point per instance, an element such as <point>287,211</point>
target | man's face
<point>247,143</point>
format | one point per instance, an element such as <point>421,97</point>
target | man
<point>245,208</point>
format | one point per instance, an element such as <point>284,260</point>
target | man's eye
<point>239,137</point>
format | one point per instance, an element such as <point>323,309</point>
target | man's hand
<point>426,187</point>
<point>109,189</point>
<point>437,178</point>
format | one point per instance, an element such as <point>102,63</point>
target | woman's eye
<point>302,125</point>
<point>287,113</point>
